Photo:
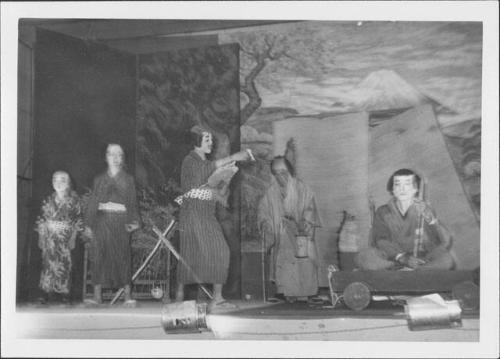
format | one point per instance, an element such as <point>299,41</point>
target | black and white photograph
<point>250,179</point>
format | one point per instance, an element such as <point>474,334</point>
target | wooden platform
<point>402,281</point>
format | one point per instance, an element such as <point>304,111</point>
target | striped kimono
<point>202,243</point>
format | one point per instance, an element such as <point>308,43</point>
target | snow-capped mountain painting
<point>315,67</point>
<point>384,90</point>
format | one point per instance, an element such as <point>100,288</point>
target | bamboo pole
<point>420,229</point>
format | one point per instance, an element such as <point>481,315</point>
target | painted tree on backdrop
<point>295,51</point>
<point>265,57</point>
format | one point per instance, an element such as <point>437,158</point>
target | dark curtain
<point>85,97</point>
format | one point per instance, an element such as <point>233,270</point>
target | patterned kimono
<point>202,242</point>
<point>110,251</point>
<point>57,227</point>
<point>294,277</point>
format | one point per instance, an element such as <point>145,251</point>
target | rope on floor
<point>100,329</point>
<point>340,330</point>
<point>324,331</point>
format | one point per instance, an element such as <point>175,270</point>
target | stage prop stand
<point>146,261</point>
<point>334,297</point>
<point>166,292</point>
<point>180,259</point>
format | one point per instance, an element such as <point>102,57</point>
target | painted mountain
<point>385,93</point>
<point>385,89</point>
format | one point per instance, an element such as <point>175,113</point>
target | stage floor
<point>253,320</point>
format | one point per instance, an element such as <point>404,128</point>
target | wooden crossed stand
<point>163,238</point>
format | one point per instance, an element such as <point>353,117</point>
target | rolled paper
<point>222,174</point>
<point>249,151</point>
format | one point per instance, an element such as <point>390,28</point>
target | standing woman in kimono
<point>111,216</point>
<point>57,227</point>
<point>202,242</point>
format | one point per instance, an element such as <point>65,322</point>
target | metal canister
<point>184,317</point>
<point>423,314</point>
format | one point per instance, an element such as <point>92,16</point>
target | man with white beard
<point>286,212</point>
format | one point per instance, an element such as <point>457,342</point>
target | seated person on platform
<point>395,228</point>
<point>286,210</point>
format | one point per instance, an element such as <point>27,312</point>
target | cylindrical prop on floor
<point>184,317</point>
<point>432,312</point>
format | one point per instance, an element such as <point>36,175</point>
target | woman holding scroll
<point>202,243</point>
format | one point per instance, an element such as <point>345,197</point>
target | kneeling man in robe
<point>396,226</point>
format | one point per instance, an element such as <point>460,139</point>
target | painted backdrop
<point>317,70</point>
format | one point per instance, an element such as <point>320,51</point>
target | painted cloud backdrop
<point>440,60</point>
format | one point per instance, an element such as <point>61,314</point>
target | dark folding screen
<point>84,98</point>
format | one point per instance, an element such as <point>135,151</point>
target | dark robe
<point>110,251</point>
<point>394,233</point>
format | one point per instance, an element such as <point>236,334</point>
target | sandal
<point>130,303</point>
<point>91,302</point>
<point>41,301</point>
<point>275,300</point>
<point>315,300</point>
<point>222,305</point>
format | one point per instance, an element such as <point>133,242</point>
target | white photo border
<point>484,11</point>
